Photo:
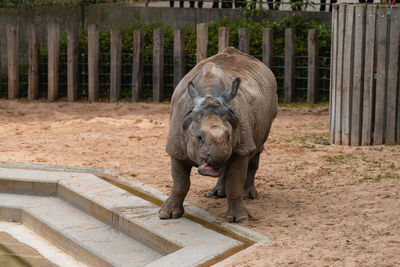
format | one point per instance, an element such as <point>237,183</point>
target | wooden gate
<point>365,91</point>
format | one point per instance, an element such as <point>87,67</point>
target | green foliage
<point>35,3</point>
<point>46,3</point>
<point>299,24</point>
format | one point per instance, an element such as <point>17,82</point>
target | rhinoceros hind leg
<point>219,190</point>
<point>249,190</point>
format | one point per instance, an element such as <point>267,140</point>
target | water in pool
<point>7,259</point>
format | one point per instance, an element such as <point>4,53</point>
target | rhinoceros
<point>221,115</point>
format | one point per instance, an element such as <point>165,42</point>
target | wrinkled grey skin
<point>221,115</point>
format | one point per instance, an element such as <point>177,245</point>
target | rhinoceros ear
<point>192,91</point>
<point>230,94</point>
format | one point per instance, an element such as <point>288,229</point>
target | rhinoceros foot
<point>217,192</point>
<point>250,192</point>
<point>172,208</point>
<point>237,212</point>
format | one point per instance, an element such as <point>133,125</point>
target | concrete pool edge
<point>251,238</point>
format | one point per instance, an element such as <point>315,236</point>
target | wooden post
<point>179,55</point>
<point>137,67</point>
<point>72,61</point>
<point>289,66</point>
<point>13,60</point>
<point>53,61</point>
<point>381,30</point>
<point>369,91</point>
<point>115,65</point>
<point>339,73</point>
<point>393,77</point>
<point>244,40</point>
<point>93,62</point>
<point>202,41</point>
<point>267,48</point>
<point>312,75</point>
<point>396,15</point>
<point>34,53</point>
<point>348,75</point>
<point>158,64</point>
<point>332,91</point>
<point>223,38</point>
<point>358,75</point>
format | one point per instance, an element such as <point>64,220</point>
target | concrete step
<point>101,224</point>
<point>97,239</point>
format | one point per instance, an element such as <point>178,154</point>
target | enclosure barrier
<point>365,90</point>
<point>53,70</point>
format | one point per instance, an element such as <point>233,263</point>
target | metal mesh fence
<point>126,76</point>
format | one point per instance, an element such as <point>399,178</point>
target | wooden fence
<point>365,88</point>
<point>53,71</point>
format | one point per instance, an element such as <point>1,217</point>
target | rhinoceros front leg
<point>236,175</point>
<point>172,207</point>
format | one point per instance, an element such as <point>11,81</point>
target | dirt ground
<point>321,204</point>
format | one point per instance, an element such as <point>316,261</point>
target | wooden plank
<point>312,74</point>
<point>93,62</point>
<point>115,65</point>
<point>395,10</point>
<point>332,80</point>
<point>137,67</point>
<point>358,75</point>
<point>267,48</point>
<point>158,64</point>
<point>72,61</point>
<point>393,68</point>
<point>202,41</point>
<point>53,40</point>
<point>223,38</point>
<point>369,89</point>
<point>348,62</point>
<point>179,55</point>
<point>339,74</point>
<point>33,55</point>
<point>289,66</point>
<point>13,60</point>
<point>244,40</point>
<point>381,30</point>
<point>1,36</point>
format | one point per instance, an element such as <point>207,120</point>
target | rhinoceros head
<point>210,129</point>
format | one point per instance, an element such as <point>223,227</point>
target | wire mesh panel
<point>324,78</point>
<point>23,79</point>
<point>43,75</point>
<point>126,75</point>
<point>83,75</point>
<point>63,89</point>
<point>104,75</point>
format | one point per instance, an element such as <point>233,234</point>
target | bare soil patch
<point>321,204</point>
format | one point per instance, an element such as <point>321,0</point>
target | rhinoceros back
<point>255,104</point>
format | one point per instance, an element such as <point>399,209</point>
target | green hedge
<point>300,24</point>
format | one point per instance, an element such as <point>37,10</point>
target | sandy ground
<point>321,204</point>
